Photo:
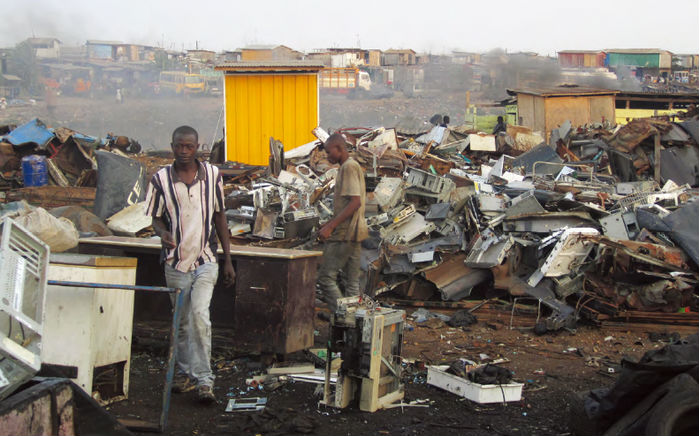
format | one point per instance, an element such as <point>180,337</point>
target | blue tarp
<point>34,132</point>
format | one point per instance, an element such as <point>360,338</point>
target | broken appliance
<point>369,339</point>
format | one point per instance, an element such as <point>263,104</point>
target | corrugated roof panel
<point>270,66</point>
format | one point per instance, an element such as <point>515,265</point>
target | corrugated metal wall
<point>647,60</point>
<point>258,106</point>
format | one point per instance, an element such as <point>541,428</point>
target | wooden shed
<point>545,109</point>
<point>268,99</point>
<point>581,58</point>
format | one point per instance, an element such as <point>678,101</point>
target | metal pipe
<point>109,286</point>
<point>171,356</point>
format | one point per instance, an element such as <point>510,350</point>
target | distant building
<point>630,105</point>
<point>348,57</point>
<point>395,57</point>
<point>203,56</point>
<point>128,53</point>
<point>544,109</point>
<point>687,61</point>
<point>9,85</point>
<point>581,58</point>
<point>229,56</point>
<point>463,57</point>
<point>647,60</point>
<point>102,50</point>
<point>269,53</point>
<point>374,58</point>
<point>321,56</point>
<point>45,48</point>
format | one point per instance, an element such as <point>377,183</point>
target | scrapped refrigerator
<point>369,339</point>
<point>88,330</point>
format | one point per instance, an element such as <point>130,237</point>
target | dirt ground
<point>551,366</point>
<point>151,120</point>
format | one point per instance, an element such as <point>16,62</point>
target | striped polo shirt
<point>188,213</point>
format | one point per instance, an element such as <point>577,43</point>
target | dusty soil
<point>551,366</point>
<point>151,120</point>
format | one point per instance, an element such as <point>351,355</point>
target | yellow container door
<point>260,106</point>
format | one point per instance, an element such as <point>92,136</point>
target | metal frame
<point>138,425</point>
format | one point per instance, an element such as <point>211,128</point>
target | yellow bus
<point>179,82</point>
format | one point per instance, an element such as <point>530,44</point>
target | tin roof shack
<point>374,58</point>
<point>544,109</point>
<point>632,105</point>
<point>104,50</point>
<point>581,58</point>
<point>262,53</point>
<point>647,60</point>
<point>228,56</point>
<point>348,57</point>
<point>686,61</point>
<point>128,52</point>
<point>203,56</point>
<point>268,99</point>
<point>10,86</point>
<point>464,57</point>
<point>45,48</point>
<point>399,57</point>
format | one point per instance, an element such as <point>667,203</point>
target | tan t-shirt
<point>350,183</point>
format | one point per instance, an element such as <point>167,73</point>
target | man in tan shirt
<point>344,233</point>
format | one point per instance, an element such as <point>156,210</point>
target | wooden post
<point>656,159</point>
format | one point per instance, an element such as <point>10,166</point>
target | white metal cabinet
<point>88,328</point>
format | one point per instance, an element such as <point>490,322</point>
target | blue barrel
<point>34,170</point>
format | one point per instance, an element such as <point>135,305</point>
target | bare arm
<point>344,215</point>
<point>221,225</point>
<point>161,230</point>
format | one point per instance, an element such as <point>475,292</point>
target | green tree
<point>24,65</point>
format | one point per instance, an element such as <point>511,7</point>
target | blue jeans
<point>193,354</point>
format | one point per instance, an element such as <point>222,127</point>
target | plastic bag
<point>58,233</point>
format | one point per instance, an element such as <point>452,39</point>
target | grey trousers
<point>339,256</point>
<point>193,353</point>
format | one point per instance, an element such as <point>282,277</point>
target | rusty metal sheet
<point>630,252</point>
<point>635,132</point>
<point>670,255</point>
<point>441,166</point>
<point>448,271</point>
<point>454,279</point>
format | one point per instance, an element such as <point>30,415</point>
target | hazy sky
<point>426,26</point>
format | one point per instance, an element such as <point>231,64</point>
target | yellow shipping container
<point>264,100</point>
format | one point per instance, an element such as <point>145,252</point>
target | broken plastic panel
<point>489,250</point>
<point>567,255</point>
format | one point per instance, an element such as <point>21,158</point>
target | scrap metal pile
<point>94,183</point>
<point>587,225</point>
<point>599,222</point>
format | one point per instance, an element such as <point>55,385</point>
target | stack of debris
<point>595,224</point>
<point>37,161</point>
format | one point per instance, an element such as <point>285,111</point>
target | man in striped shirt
<point>185,200</point>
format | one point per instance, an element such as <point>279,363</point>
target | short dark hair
<point>335,138</point>
<point>184,130</point>
<point>500,119</point>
